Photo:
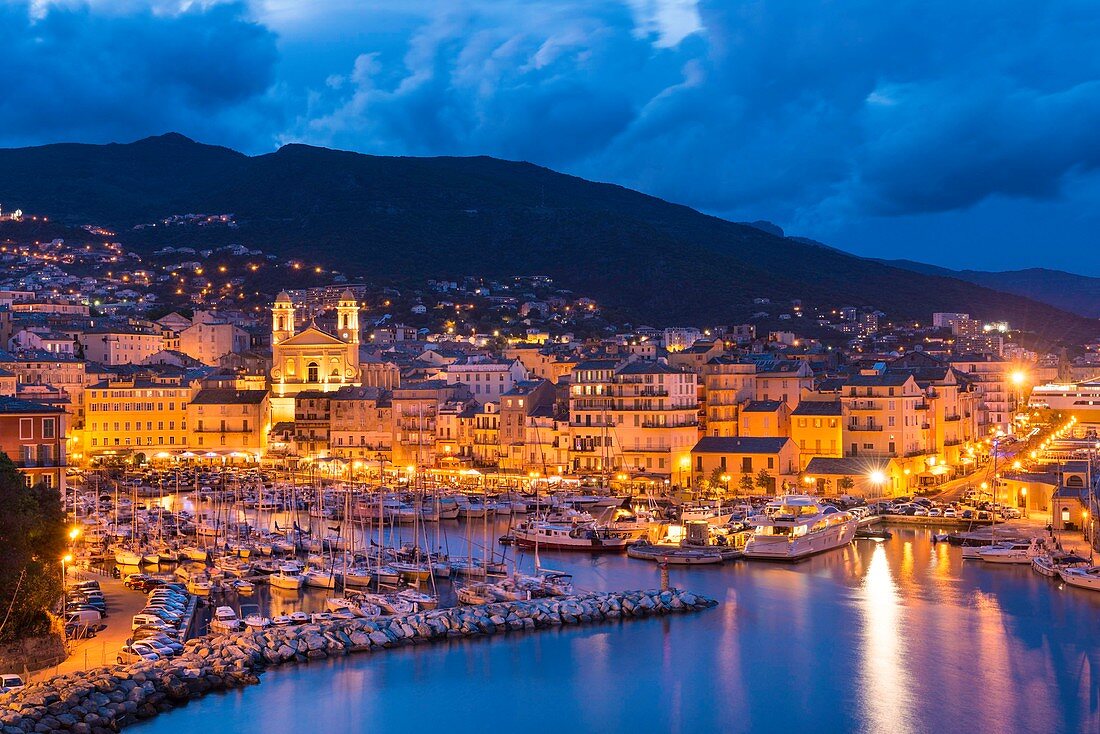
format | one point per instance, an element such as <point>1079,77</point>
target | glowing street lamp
<point>726,480</point>
<point>878,478</point>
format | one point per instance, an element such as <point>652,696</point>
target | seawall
<point>109,698</point>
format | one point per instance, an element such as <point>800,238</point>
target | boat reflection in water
<point>896,635</point>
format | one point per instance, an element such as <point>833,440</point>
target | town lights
<point>877,476</point>
<point>74,533</point>
<point>1018,377</point>
<point>1017,465</point>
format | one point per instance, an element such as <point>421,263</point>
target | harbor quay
<point>108,698</point>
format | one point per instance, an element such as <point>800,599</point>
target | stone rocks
<point>109,698</point>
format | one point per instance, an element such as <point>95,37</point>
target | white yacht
<point>798,526</point>
<point>1017,552</point>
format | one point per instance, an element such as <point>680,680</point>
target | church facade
<point>311,359</point>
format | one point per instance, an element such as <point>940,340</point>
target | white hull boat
<point>797,528</point>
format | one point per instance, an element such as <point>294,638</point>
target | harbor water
<point>882,637</point>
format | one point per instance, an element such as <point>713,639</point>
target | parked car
<point>11,682</point>
<point>136,653</point>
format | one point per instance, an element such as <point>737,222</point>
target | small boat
<point>422,602</point>
<point>319,578</point>
<point>875,534</point>
<point>243,586</point>
<point>283,580</point>
<point>225,620</point>
<point>473,594</point>
<point>283,620</point>
<point>127,557</point>
<point>674,554</point>
<point>390,603</point>
<point>1018,552</point>
<point>1049,564</point>
<point>299,618</point>
<point>200,586</point>
<point>1085,577</point>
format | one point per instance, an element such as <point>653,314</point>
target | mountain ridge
<point>410,217</point>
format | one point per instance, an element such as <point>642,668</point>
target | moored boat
<point>797,527</point>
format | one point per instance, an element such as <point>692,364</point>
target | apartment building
<point>33,437</point>
<point>775,460</point>
<point>229,422</point>
<point>361,423</point>
<point>639,416</point>
<point>487,377</point>
<point>137,416</point>
<point>115,346</point>
<point>728,383</point>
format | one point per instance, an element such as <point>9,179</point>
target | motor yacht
<point>798,526</point>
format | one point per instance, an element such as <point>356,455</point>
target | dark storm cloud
<point>71,72</point>
<point>815,114</point>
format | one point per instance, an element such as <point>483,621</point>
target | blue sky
<point>958,133</point>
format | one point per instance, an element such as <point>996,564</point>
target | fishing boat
<point>796,527</point>
<point>591,538</point>
<point>390,603</point>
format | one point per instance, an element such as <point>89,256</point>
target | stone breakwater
<point>108,698</point>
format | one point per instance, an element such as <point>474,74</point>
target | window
<point>26,428</point>
<point>746,465</point>
<point>48,427</point>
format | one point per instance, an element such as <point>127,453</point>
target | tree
<point>716,478</point>
<point>746,483</point>
<point>32,534</point>
<point>763,480</point>
<point>845,483</point>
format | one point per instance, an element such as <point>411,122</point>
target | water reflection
<point>887,699</point>
<point>897,636</point>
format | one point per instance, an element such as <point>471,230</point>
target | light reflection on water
<point>898,636</point>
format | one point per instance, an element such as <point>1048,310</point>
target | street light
<point>878,478</point>
<point>726,480</point>
<point>74,533</point>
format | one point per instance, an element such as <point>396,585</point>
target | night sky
<point>965,134</point>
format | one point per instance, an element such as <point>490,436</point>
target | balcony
<point>655,424</point>
<point>859,428</point>
<point>952,417</point>
<point>864,405</point>
<point>921,406</point>
<point>39,464</point>
<point>592,404</point>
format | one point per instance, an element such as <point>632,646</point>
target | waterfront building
<point>817,429</point>
<point>767,418</point>
<point>361,424</point>
<point>232,423</point>
<point>136,417</point>
<point>773,460</point>
<point>637,416</point>
<point>487,377</point>
<point>208,339</point>
<point>989,373</point>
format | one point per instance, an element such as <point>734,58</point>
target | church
<point>311,359</point>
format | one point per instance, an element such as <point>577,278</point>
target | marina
<point>908,630</point>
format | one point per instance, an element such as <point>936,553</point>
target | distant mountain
<point>396,218</point>
<point>1079,294</point>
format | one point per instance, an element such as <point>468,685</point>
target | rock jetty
<point>108,698</point>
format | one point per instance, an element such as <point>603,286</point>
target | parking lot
<point>122,605</point>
